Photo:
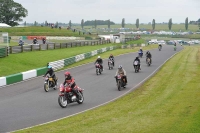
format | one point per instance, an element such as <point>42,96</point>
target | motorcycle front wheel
<point>119,85</point>
<point>81,98</point>
<point>62,101</point>
<point>46,87</point>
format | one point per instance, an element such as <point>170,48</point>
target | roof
<point>4,25</point>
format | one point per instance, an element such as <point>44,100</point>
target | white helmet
<point>99,57</point>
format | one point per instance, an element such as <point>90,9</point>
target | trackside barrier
<point>56,65</point>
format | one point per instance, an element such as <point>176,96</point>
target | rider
<point>100,62</point>
<point>111,57</point>
<point>69,80</point>
<point>51,73</point>
<point>43,40</point>
<point>137,59</point>
<point>160,46</point>
<point>21,43</point>
<point>140,51</point>
<point>148,55</point>
<point>35,41</point>
<point>121,71</point>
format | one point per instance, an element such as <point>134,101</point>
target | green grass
<point>168,104</point>
<point>140,41</point>
<point>41,31</point>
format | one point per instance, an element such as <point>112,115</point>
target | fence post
<point>47,46</point>
<point>60,45</point>
<point>40,47</point>
<point>71,44</point>
<point>11,49</point>
<point>54,46</point>
<point>31,47</point>
<point>66,44</point>
<point>22,48</point>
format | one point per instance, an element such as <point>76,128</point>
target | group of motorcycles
<point>67,96</point>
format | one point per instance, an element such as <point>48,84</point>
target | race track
<point>26,104</point>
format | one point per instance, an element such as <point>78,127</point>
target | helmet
<point>137,57</point>
<point>67,73</point>
<point>148,52</point>
<point>111,55</point>
<point>49,67</point>
<point>120,67</point>
<point>140,47</point>
<point>99,57</point>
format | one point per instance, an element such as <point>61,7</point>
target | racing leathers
<point>51,74</point>
<point>123,72</point>
<point>100,62</point>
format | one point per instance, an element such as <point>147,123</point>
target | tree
<point>11,12</point>
<point>46,24</point>
<point>25,23</point>
<point>82,23</point>
<point>123,23</point>
<point>35,23</point>
<point>186,23</point>
<point>95,24</point>
<point>99,22</point>
<point>70,24</point>
<point>170,24</point>
<point>109,24</point>
<point>137,23</point>
<point>153,24</point>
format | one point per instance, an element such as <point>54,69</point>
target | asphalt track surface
<point>26,103</point>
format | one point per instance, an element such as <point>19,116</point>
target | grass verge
<point>167,104</point>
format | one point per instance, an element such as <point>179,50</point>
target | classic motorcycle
<point>49,83</point>
<point>120,81</point>
<point>136,66</point>
<point>110,64</point>
<point>159,47</point>
<point>140,54</point>
<point>67,96</point>
<point>148,61</point>
<point>98,68</point>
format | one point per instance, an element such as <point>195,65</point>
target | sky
<point>145,10</point>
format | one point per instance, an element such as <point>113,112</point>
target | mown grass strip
<point>168,102</point>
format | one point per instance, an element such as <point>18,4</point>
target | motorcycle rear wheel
<point>46,87</point>
<point>62,101</point>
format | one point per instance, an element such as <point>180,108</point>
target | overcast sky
<point>115,10</point>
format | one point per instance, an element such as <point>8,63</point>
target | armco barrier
<point>14,78</point>
<point>29,74</point>
<point>2,81</point>
<point>41,71</point>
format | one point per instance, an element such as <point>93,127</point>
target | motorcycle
<point>148,61</point>
<point>98,69</point>
<point>136,66</point>
<point>120,81</point>
<point>67,96</point>
<point>49,83</point>
<point>159,48</point>
<point>140,54</point>
<point>110,64</point>
<point>174,48</point>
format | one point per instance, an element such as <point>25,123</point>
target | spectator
<point>44,40</point>
<point>21,43</point>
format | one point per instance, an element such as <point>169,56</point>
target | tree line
<point>12,12</point>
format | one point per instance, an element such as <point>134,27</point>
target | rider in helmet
<point>69,80</point>
<point>121,71</point>
<point>35,41</point>
<point>140,51</point>
<point>99,61</point>
<point>148,55</point>
<point>111,57</point>
<point>51,73</point>
<point>137,59</point>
